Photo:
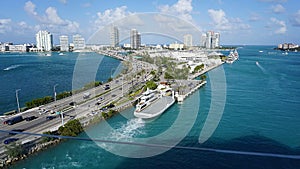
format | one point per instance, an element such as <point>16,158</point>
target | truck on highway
<point>15,120</point>
<point>86,95</point>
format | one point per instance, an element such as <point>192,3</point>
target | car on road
<point>6,121</point>
<point>30,118</point>
<point>106,88</point>
<point>72,104</point>
<point>50,117</point>
<point>113,95</point>
<point>10,140</point>
<point>15,120</point>
<point>111,105</point>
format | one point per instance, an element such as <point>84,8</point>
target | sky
<point>246,22</point>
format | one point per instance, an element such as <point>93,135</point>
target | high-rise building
<point>114,36</point>
<point>44,41</point>
<point>135,39</point>
<point>203,40</point>
<point>208,39</point>
<point>64,43</point>
<point>188,40</point>
<point>215,40</point>
<point>212,40</point>
<point>79,42</point>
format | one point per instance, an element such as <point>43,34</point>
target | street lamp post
<point>18,99</point>
<point>54,92</point>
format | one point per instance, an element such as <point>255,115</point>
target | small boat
<point>260,51</point>
<point>61,54</point>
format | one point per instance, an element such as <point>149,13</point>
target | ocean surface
<point>36,74</point>
<point>247,116</point>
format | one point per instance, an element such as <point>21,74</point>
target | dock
<point>181,96</point>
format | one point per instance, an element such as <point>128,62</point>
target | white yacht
<point>233,56</point>
<point>147,98</point>
<point>154,103</point>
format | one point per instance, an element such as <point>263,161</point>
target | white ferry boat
<point>233,56</point>
<point>154,102</point>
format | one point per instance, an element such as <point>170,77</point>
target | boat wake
<point>129,130</point>
<point>11,67</point>
<point>126,132</point>
<point>261,68</point>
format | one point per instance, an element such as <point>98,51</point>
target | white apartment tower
<point>212,40</point>
<point>135,39</point>
<point>114,36</point>
<point>215,40</point>
<point>208,41</point>
<point>64,43</point>
<point>203,40</point>
<point>44,41</point>
<point>188,40</point>
<point>79,42</point>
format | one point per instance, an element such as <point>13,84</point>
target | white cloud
<point>182,9</point>
<point>111,15</point>
<point>219,19</point>
<point>5,25</point>
<point>30,8</point>
<point>51,19</point>
<point>222,23</point>
<point>278,8</point>
<point>295,19</point>
<point>281,24</point>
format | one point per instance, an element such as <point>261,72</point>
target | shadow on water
<point>183,158</point>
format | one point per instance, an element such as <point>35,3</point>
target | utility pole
<point>18,100</point>
<point>54,92</point>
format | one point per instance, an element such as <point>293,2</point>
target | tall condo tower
<point>64,43</point>
<point>135,39</point>
<point>44,41</point>
<point>212,40</point>
<point>79,42</point>
<point>188,40</point>
<point>114,36</point>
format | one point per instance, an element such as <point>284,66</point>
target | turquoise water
<point>36,74</point>
<point>261,115</point>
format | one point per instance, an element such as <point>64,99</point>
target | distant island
<point>288,47</point>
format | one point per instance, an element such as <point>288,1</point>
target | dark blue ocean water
<point>260,121</point>
<point>36,74</point>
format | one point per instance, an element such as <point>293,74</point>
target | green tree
<point>203,77</point>
<point>47,139</point>
<point>109,79</point>
<point>198,68</point>
<point>151,85</point>
<point>14,149</point>
<point>63,95</point>
<point>71,128</point>
<point>168,76</point>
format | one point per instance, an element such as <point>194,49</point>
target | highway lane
<point>85,107</point>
